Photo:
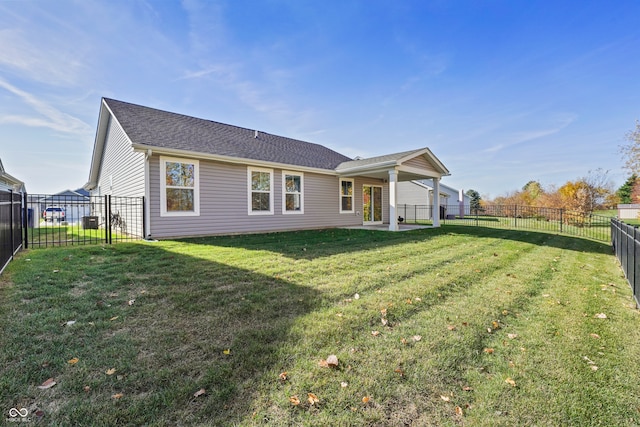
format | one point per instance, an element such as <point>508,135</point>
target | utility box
<point>90,222</point>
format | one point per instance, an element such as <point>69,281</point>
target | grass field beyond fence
<point>449,326</point>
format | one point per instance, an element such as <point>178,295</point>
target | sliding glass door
<point>372,204</point>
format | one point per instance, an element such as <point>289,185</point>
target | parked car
<point>53,214</point>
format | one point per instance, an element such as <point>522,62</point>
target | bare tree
<point>631,150</point>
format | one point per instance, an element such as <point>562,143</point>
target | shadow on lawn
<point>195,324</point>
<point>313,244</point>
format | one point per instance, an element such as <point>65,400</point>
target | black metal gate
<point>75,219</point>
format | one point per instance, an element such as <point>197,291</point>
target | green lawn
<point>450,326</point>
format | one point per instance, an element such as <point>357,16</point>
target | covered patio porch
<point>393,168</point>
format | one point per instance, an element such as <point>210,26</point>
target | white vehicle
<point>53,213</point>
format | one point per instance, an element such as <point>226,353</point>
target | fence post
<point>561,211</point>
<point>107,219</point>
<point>25,220</point>
<point>633,273</point>
<point>11,224</point>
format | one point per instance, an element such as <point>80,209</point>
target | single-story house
<point>420,193</point>
<point>200,177</point>
<point>8,182</point>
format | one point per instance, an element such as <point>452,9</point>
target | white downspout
<point>436,202</point>
<point>393,215</point>
<point>147,194</point>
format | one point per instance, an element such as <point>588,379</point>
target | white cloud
<point>48,116</point>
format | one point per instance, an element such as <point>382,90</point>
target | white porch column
<point>393,214</point>
<point>436,202</point>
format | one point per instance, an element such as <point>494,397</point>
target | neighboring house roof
<point>161,129</point>
<point>11,181</point>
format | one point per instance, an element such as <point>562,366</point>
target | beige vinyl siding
<point>224,204</point>
<point>122,171</point>
<point>421,162</point>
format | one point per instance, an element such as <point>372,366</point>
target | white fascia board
<point>374,167</point>
<point>431,156</point>
<point>228,159</point>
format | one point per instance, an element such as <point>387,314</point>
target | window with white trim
<point>292,190</point>
<point>179,187</point>
<point>346,195</point>
<point>260,191</point>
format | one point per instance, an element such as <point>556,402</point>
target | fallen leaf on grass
<point>451,327</point>
<point>323,364</point>
<point>467,388</point>
<point>366,399</point>
<point>110,371</point>
<point>495,324</point>
<point>417,338</point>
<point>511,382</point>
<point>512,336</point>
<point>445,398</point>
<point>114,318</point>
<point>375,333</point>
<point>199,392</point>
<point>594,368</point>
<point>488,350</point>
<point>312,398</point>
<point>295,401</point>
<point>399,371</point>
<point>458,411</point>
<point>384,321</point>
<point>283,376</point>
<point>227,351</point>
<point>69,323</point>
<point>596,336</point>
<point>131,301</point>
<point>47,384</point>
<point>600,316</point>
<point>117,395</point>
<point>86,389</point>
<point>73,361</point>
<point>344,384</point>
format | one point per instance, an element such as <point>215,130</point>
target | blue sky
<point>502,92</point>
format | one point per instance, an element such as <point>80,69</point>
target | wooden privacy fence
<point>10,226</point>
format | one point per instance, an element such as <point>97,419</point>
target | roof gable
<point>159,129</point>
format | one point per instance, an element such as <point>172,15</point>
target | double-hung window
<point>346,195</point>
<point>179,187</point>
<point>260,191</point>
<point>292,190</point>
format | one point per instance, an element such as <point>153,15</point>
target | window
<point>292,190</point>
<point>179,192</point>
<point>260,191</point>
<point>346,195</point>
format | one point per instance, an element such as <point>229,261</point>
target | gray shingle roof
<point>376,160</point>
<point>163,129</point>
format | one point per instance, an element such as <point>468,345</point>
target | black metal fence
<point>564,221</point>
<point>625,240</point>
<point>10,226</point>
<point>74,219</point>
